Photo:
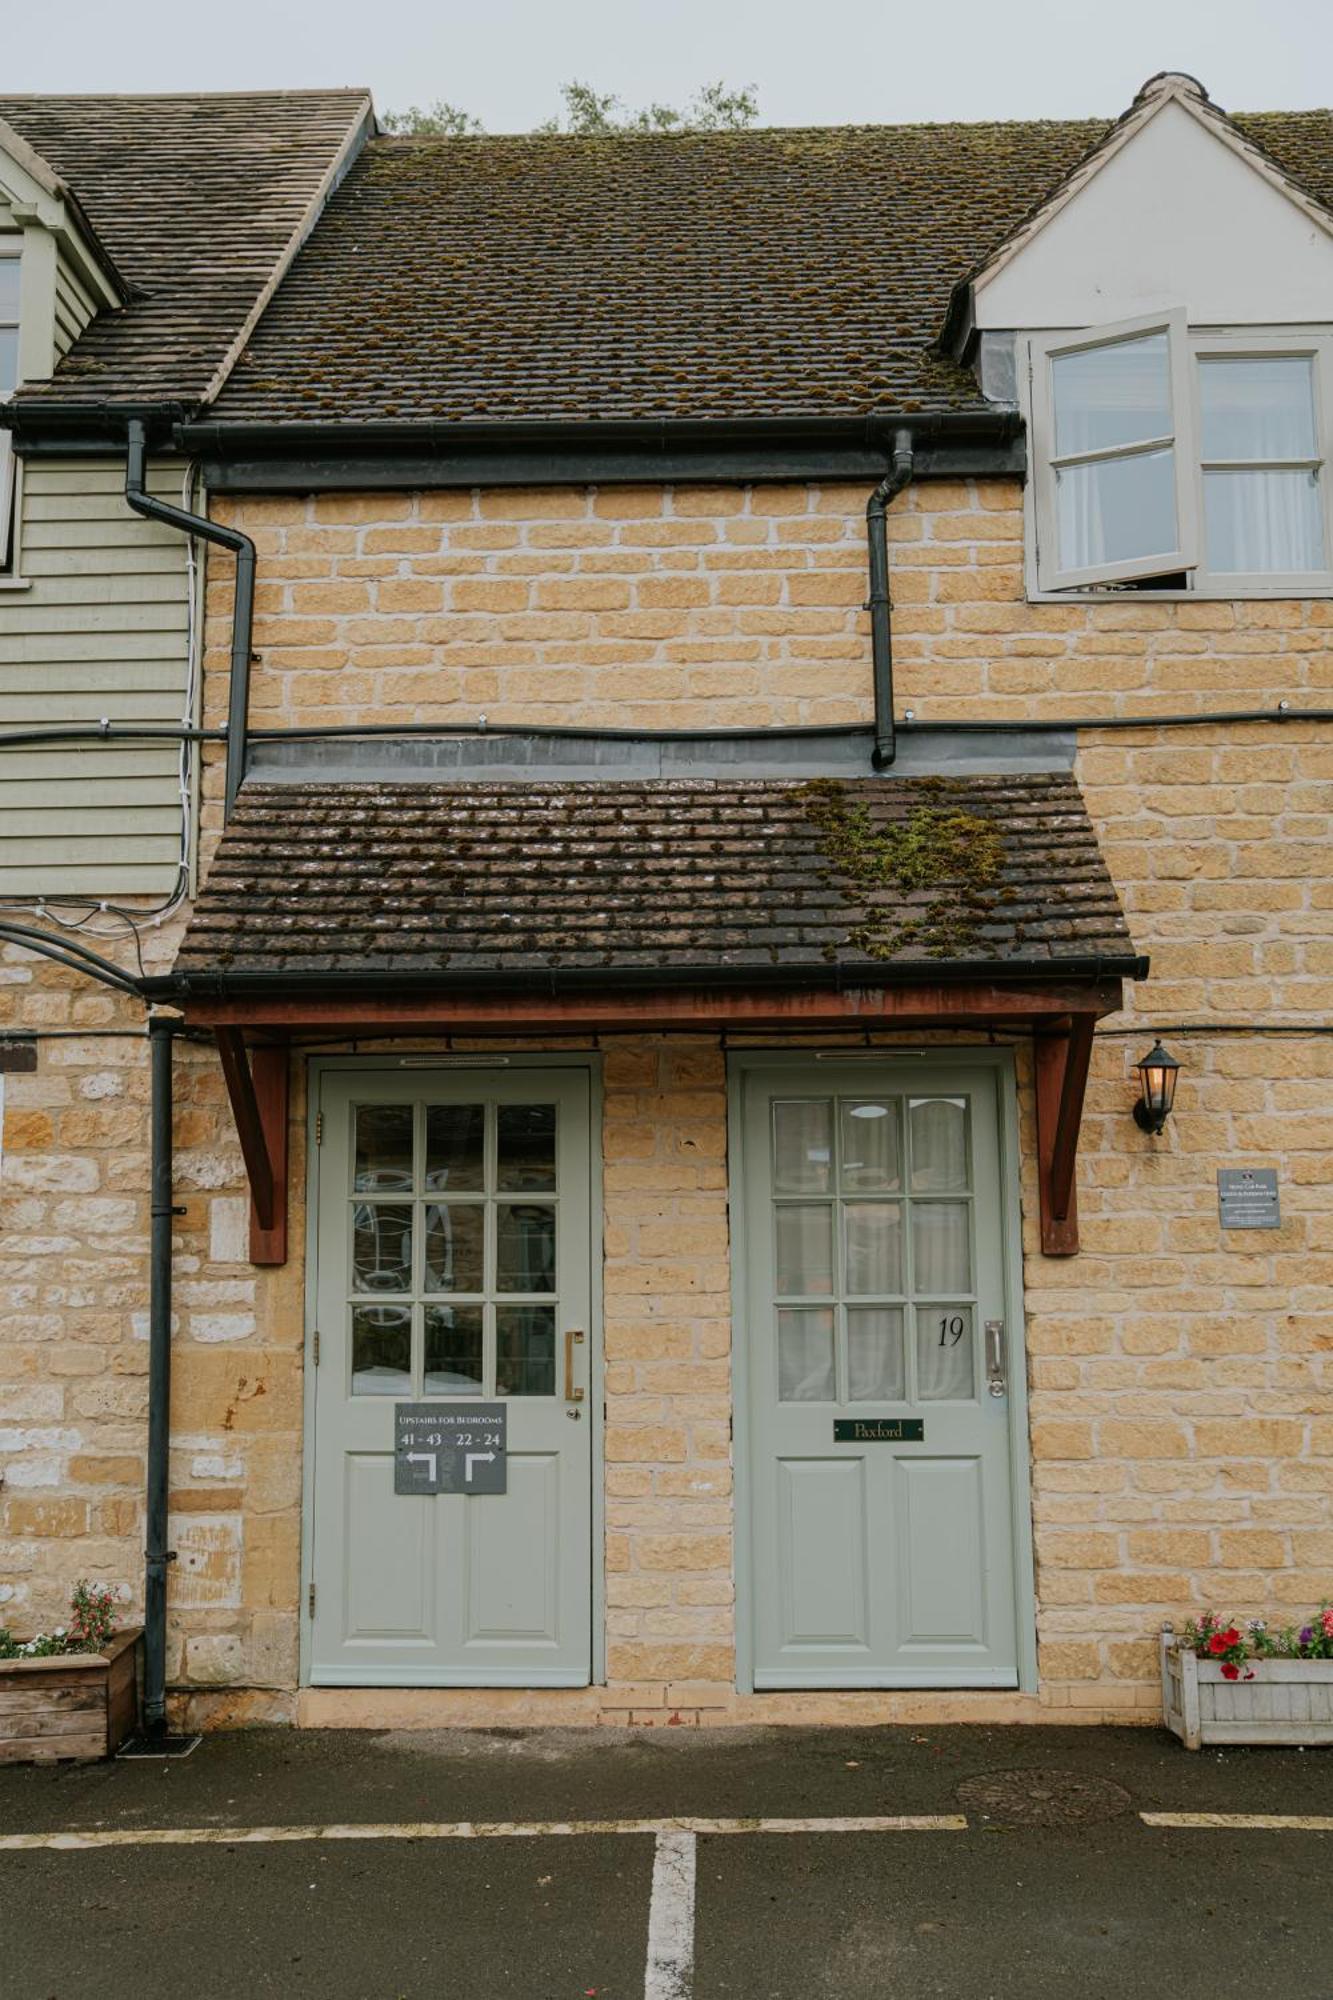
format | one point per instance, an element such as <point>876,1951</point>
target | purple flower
<point>1307,1634</point>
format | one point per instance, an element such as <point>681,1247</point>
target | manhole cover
<point>1042,1798</point>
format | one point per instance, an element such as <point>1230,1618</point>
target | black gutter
<point>614,979</point>
<point>156,1553</point>
<point>878,603</point>
<point>243,601</point>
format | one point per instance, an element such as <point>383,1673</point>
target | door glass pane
<point>871,1148</point>
<point>939,1145</point>
<point>946,1368</point>
<point>804,1234</point>
<point>525,1247</point>
<point>526,1147</point>
<point>1267,521</point>
<point>453,1351</point>
<point>454,1140</point>
<point>875,1361</point>
<point>802,1146</point>
<point>381,1247</point>
<point>455,1234</point>
<point>805,1354</point>
<point>383,1149</point>
<point>874,1246</point>
<point>1117,509</point>
<point>1257,406</point>
<point>381,1350</point>
<point>525,1350</point>
<point>941,1254</point>
<point>1119,393</point>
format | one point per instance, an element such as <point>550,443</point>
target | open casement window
<point>1114,465</point>
<point>9,365</point>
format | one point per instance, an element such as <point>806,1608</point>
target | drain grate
<point>1043,1798</point>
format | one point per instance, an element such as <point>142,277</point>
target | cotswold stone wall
<point>1182,1422</point>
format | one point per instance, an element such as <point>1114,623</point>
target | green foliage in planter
<point>92,1624</point>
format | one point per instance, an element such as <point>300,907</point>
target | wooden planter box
<point>79,1705</point>
<point>1288,1701</point>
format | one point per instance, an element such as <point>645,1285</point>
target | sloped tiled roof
<point>705,275</point>
<point>723,879</point>
<point>195,198</point>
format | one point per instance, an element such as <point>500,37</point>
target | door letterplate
<point>995,1358</point>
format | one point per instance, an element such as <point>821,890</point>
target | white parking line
<point>73,1840</point>
<point>1256,1822</point>
<point>669,1974</point>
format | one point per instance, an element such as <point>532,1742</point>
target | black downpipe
<point>878,604</point>
<point>157,1556</point>
<point>243,603</point>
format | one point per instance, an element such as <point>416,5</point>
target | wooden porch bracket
<point>257,1085</point>
<point>1062,1060</point>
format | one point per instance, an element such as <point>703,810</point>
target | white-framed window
<point>9,375</point>
<point>1167,457</point>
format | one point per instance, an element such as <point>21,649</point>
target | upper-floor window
<point>9,375</point>
<point>1169,458</point>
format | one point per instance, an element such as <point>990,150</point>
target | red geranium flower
<point>1231,1636</point>
<point>1230,1672</point>
<point>1218,1643</point>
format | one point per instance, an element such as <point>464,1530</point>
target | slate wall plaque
<point>1247,1198</point>
<point>878,1430</point>
<point>450,1447</point>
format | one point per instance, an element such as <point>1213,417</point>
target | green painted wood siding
<point>101,629</point>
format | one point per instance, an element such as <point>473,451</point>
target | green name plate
<point>878,1430</point>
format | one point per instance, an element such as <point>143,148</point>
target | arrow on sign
<point>429,1458</point>
<point>472,1458</point>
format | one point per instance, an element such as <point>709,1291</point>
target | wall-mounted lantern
<point>1157,1079</point>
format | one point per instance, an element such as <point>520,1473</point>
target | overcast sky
<point>812,61</point>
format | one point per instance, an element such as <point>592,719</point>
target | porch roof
<point>633,884</point>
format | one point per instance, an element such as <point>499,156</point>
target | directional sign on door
<point>449,1447</point>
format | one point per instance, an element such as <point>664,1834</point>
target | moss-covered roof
<point>741,274</point>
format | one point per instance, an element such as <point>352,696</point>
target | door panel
<point>874,1257</point>
<point>453,1257</point>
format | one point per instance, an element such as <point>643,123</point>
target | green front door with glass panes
<point>452,1265</point>
<point>881,1505</point>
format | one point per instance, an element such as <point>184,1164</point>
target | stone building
<point>779,665</point>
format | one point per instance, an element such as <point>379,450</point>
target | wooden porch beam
<point>258,1089</point>
<point>963,1004</point>
<point>1062,1061</point>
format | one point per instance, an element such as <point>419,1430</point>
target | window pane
<point>805,1355</point>
<point>946,1369</point>
<point>381,1350</point>
<point>941,1256</point>
<point>1257,406</point>
<point>526,1144</point>
<point>9,358</point>
<point>454,1136</point>
<point>1266,521</point>
<point>9,287</point>
<point>874,1246</point>
<point>939,1145</point>
<point>381,1247</point>
<point>802,1147</point>
<point>453,1351</point>
<point>870,1144</point>
<point>805,1249</point>
<point>1116,394</point>
<point>1116,510</point>
<point>525,1247</point>
<point>875,1354</point>
<point>525,1350</point>
<point>455,1233</point>
<point>383,1148</point>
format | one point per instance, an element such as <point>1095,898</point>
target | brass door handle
<point>572,1334</point>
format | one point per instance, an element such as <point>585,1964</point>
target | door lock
<point>995,1358</point>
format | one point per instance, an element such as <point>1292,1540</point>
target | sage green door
<point>875,1288</point>
<point>452,1264</point>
